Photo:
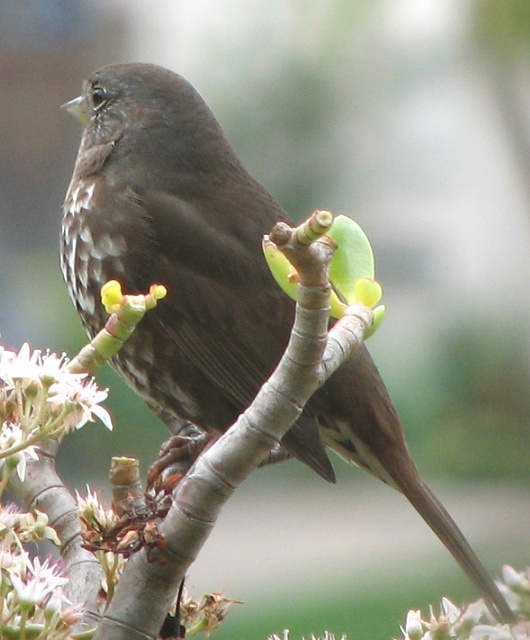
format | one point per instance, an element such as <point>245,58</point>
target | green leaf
<point>353,260</point>
<point>367,291</point>
<point>280,268</point>
<point>379,316</point>
<point>351,271</point>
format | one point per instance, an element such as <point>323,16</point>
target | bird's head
<point>146,108</point>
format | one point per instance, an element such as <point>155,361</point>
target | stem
<point>49,432</point>
<point>24,612</point>
<point>39,418</point>
<point>5,479</point>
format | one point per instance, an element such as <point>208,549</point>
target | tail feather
<point>361,425</point>
<point>440,521</point>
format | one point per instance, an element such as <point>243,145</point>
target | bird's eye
<point>99,97</point>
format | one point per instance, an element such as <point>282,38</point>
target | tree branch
<point>44,490</point>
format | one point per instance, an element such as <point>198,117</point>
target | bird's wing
<point>223,310</point>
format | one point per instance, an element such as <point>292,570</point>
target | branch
<point>147,589</point>
<point>43,489</point>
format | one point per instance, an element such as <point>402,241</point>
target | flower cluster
<point>516,590</point>
<point>285,636</point>
<point>18,528</point>
<point>32,602</point>
<point>452,622</point>
<point>201,615</point>
<point>41,399</point>
<point>96,521</point>
<point>206,614</point>
<point>474,622</point>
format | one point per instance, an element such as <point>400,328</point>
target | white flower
<point>88,397</point>
<point>84,397</point>
<point>41,398</point>
<point>515,580</point>
<point>38,582</point>
<point>54,367</point>
<point>94,513</point>
<point>57,600</point>
<point>451,611</point>
<point>9,515</point>
<point>413,625</point>
<point>6,357</point>
<point>12,435</point>
<point>10,560</point>
<point>35,526</point>
<point>20,366</point>
<point>469,618</point>
<point>21,458</point>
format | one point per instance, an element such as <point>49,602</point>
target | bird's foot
<point>175,459</point>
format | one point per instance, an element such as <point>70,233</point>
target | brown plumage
<point>159,195</point>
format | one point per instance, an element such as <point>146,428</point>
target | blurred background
<point>411,116</point>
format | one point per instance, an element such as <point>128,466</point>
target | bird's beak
<point>78,108</point>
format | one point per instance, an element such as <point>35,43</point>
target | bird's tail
<point>441,522</point>
<point>365,430</point>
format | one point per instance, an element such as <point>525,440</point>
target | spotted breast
<point>91,255</point>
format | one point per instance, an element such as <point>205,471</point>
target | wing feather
<point>223,310</point>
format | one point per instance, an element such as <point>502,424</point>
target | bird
<point>159,195</point>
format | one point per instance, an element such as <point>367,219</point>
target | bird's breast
<point>90,255</point>
<point>94,250</point>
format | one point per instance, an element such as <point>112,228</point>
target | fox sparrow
<point>159,195</point>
